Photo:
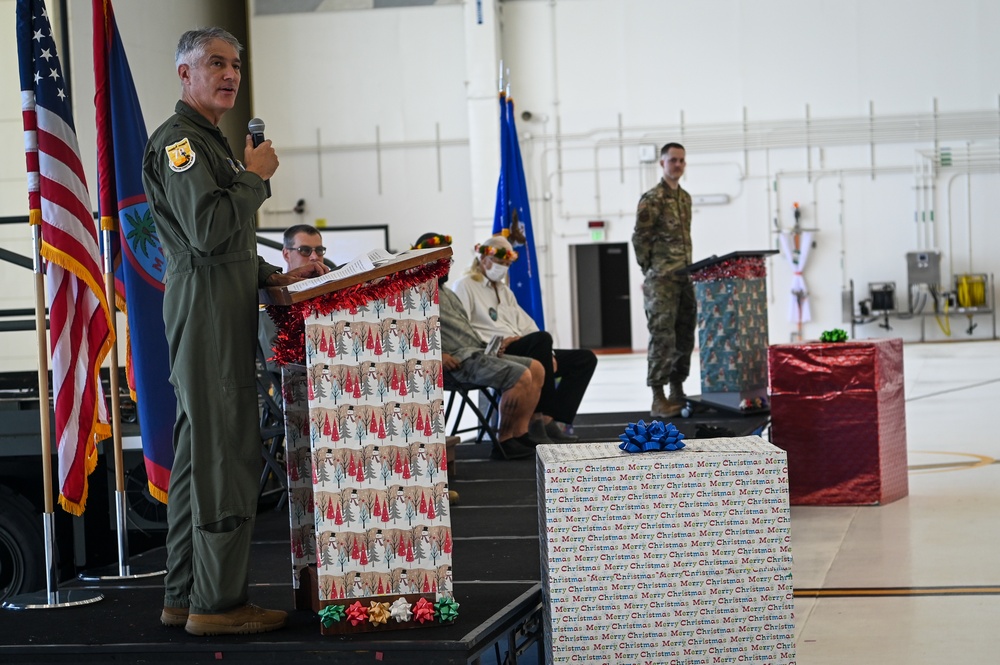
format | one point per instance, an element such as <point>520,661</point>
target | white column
<point>482,49</point>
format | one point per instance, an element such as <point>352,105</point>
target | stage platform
<point>496,570</point>
<point>705,423</point>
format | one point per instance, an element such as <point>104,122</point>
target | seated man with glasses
<point>303,244</point>
<point>493,310</point>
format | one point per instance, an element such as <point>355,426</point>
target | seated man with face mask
<point>464,357</point>
<point>493,310</point>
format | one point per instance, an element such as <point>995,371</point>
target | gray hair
<point>193,43</point>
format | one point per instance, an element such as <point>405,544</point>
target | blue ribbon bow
<point>642,438</point>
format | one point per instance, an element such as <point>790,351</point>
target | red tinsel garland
<point>747,267</point>
<point>290,343</point>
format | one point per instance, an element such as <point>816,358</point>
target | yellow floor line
<point>942,465</point>
<point>976,462</point>
<point>899,591</point>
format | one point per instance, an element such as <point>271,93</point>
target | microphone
<point>256,129</point>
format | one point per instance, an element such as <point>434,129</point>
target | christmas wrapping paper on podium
<point>732,328</point>
<point>298,467</point>
<point>367,469</point>
<point>660,557</point>
<point>838,409</point>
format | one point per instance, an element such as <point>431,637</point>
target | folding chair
<point>484,426</point>
<point>272,430</point>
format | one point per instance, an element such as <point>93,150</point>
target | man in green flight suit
<point>204,202</point>
<point>662,244</point>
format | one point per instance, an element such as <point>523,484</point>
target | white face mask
<point>496,272</point>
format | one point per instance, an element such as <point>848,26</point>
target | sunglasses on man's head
<point>498,253</point>
<point>306,250</point>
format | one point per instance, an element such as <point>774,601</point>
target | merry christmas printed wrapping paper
<point>677,556</point>
<point>373,382</point>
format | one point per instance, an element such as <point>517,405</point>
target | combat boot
<point>677,391</point>
<point>662,407</point>
<point>239,621</point>
<point>174,616</point>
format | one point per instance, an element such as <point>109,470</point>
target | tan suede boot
<point>238,621</point>
<point>174,616</point>
<point>662,407</point>
<point>677,391</point>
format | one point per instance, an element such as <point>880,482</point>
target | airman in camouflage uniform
<point>662,243</point>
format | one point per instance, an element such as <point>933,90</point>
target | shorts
<point>501,373</point>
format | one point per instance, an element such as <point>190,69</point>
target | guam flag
<point>513,218</point>
<point>139,261</point>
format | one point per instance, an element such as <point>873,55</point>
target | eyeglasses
<point>306,250</point>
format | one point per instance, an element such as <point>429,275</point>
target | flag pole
<point>51,597</point>
<point>43,412</point>
<point>125,570</point>
<point>116,419</point>
<point>109,204</point>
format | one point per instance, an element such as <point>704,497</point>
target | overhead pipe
<point>745,135</point>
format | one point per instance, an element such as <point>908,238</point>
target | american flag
<point>79,318</point>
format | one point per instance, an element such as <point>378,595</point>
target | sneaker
<point>240,621</point>
<point>558,435</point>
<point>517,447</point>
<point>174,616</point>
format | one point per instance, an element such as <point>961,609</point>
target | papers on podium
<point>359,264</point>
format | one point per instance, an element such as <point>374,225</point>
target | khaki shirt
<point>458,338</point>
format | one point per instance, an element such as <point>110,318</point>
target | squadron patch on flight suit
<point>181,155</point>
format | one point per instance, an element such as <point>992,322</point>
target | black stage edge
<point>496,568</point>
<point>705,423</point>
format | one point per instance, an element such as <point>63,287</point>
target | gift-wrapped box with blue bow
<point>665,546</point>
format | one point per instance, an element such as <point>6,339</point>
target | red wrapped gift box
<point>838,410</point>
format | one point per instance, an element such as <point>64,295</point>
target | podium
<point>365,452</point>
<point>732,329</point>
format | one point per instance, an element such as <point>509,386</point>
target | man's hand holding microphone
<point>259,157</point>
